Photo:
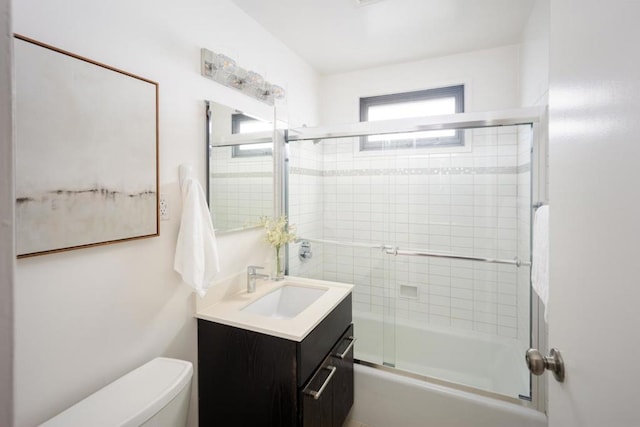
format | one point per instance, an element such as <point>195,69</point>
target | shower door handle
<point>537,363</point>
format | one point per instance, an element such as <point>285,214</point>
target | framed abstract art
<point>86,152</point>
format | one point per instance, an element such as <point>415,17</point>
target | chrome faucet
<point>252,276</point>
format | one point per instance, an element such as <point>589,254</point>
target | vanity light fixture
<point>224,70</point>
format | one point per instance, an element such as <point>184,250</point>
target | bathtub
<point>476,361</point>
<point>482,361</point>
<point>384,399</point>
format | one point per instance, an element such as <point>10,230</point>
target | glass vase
<point>278,273</point>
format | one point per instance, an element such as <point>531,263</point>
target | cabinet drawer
<point>315,347</point>
<point>328,396</point>
<point>342,358</point>
<point>317,397</point>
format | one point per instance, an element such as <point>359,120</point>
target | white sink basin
<point>285,302</point>
<point>271,310</point>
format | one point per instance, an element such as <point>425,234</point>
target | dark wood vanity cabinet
<point>248,378</point>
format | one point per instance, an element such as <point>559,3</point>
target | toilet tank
<point>155,394</point>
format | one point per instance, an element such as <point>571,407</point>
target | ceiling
<point>339,35</point>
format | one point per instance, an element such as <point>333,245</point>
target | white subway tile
<point>420,316</point>
<point>461,200</point>
<point>459,313</point>
<point>439,310</point>
<point>491,297</point>
<point>463,294</point>
<point>437,320</point>
<point>439,300</point>
<point>508,321</point>
<point>439,290</point>
<point>462,221</point>
<point>507,332</point>
<point>507,299</point>
<point>488,328</point>
<point>462,231</point>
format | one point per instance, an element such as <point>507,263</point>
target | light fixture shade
<point>225,64</point>
<point>254,79</point>
<point>277,92</point>
<point>237,80</point>
<point>224,70</point>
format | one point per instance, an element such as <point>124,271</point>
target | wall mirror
<point>240,167</point>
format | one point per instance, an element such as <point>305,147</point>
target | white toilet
<point>154,395</point>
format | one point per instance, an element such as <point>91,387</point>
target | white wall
<point>490,78</point>
<point>534,86</point>
<point>534,58</point>
<point>594,105</point>
<point>7,252</point>
<point>85,317</point>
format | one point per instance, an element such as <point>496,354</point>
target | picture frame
<point>86,152</point>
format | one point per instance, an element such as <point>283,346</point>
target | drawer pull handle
<point>349,347</point>
<point>316,394</point>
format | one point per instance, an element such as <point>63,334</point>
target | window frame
<point>236,121</point>
<point>456,91</point>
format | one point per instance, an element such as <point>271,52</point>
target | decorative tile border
<point>306,171</point>
<point>242,175</point>
<point>503,170</point>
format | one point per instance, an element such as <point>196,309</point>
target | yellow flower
<point>278,232</point>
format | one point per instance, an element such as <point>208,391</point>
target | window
<point>241,123</point>
<point>431,102</point>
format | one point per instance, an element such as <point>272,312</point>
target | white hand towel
<point>540,256</point>
<point>196,256</point>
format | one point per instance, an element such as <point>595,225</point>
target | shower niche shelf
<point>249,378</point>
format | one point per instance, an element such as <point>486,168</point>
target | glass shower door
<point>437,244</point>
<point>464,319</point>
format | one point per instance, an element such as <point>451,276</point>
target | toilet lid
<point>131,399</point>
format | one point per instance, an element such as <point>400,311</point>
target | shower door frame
<point>536,117</point>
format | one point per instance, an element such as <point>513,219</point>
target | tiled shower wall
<point>305,204</point>
<point>462,200</point>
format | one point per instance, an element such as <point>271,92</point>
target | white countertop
<point>228,310</point>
